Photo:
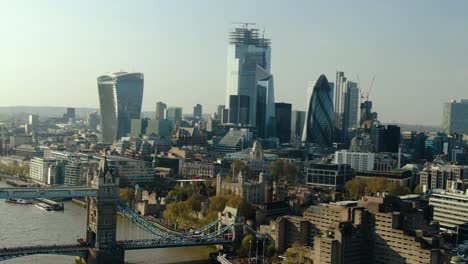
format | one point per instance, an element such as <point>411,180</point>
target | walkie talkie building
<point>120,98</point>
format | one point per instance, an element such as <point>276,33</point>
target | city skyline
<point>424,55</point>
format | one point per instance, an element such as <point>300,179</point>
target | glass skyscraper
<point>250,91</point>
<point>318,127</point>
<point>455,117</point>
<point>120,98</point>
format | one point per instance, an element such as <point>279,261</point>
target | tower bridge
<point>100,245</point>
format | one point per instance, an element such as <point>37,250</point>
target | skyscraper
<point>250,91</point>
<point>346,106</point>
<point>120,98</point>
<point>198,111</point>
<point>283,122</point>
<point>160,109</point>
<point>318,127</point>
<point>455,117</point>
<point>297,126</point>
<point>174,114</point>
<point>219,111</point>
<point>351,109</point>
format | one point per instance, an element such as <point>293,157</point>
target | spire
<point>103,165</point>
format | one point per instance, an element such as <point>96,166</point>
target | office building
<point>283,122</point>
<point>346,106</point>
<point>160,127</point>
<point>138,127</point>
<point>160,110</point>
<point>451,211</point>
<point>235,140</point>
<point>130,171</point>
<point>366,113</point>
<point>93,121</point>
<point>45,171</point>
<point>329,176</point>
<point>174,114</point>
<point>297,126</point>
<point>351,109</point>
<point>250,91</point>
<point>455,117</point>
<point>34,121</point>
<point>392,138</point>
<point>120,98</point>
<point>358,161</point>
<point>219,111</point>
<point>318,126</point>
<point>69,115</point>
<point>198,111</point>
<point>442,176</point>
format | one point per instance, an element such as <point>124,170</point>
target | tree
<point>243,207</point>
<point>194,203</point>
<point>282,171</point>
<point>218,203</point>
<point>418,189</point>
<point>127,195</point>
<point>238,166</point>
<point>176,214</point>
<point>247,245</point>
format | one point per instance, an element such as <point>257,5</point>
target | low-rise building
<point>330,176</point>
<point>359,161</point>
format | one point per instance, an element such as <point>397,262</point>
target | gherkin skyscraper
<point>318,127</point>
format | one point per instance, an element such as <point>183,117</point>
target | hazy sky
<point>51,52</point>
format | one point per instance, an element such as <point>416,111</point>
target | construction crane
<point>245,24</point>
<point>365,95</point>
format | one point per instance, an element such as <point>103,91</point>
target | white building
<point>43,170</point>
<point>357,160</point>
<point>451,211</point>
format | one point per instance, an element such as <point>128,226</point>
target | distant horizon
<point>416,49</point>
<point>204,113</point>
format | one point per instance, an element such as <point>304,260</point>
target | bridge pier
<point>101,218</point>
<point>115,255</point>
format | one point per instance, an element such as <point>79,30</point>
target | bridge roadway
<point>42,192</point>
<point>82,250</point>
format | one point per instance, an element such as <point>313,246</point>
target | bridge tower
<point>101,218</point>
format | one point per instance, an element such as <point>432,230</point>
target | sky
<point>52,51</point>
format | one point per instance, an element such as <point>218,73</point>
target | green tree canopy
<point>358,187</point>
<point>282,171</point>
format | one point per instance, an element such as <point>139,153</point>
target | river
<point>28,225</point>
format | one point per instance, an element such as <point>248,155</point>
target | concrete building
<point>455,117</point>
<point>46,171</point>
<point>451,211</point>
<point>442,176</point>
<point>359,161</point>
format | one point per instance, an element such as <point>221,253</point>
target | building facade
<point>120,98</point>
<point>358,161</point>
<point>455,117</point>
<point>250,88</point>
<point>283,122</point>
<point>318,126</point>
<point>330,176</point>
<point>160,110</point>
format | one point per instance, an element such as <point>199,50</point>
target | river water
<point>22,225</point>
